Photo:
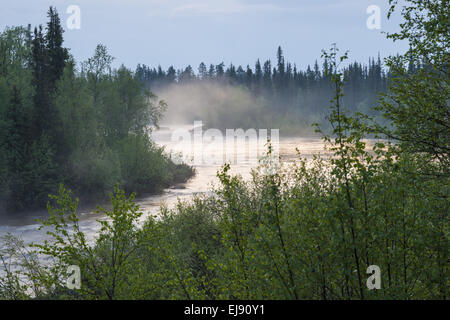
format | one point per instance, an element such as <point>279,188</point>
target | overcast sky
<point>182,32</point>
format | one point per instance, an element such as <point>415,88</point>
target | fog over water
<point>228,105</point>
<point>201,183</point>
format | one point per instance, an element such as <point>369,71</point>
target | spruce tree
<point>39,65</point>
<point>203,73</point>
<point>57,55</point>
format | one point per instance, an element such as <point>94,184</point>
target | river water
<point>205,177</point>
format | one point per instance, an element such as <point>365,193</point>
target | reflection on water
<point>201,183</point>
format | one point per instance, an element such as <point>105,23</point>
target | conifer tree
<point>202,71</point>
<point>57,55</point>
<point>39,64</point>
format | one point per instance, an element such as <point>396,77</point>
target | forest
<point>282,96</point>
<point>309,230</point>
<point>87,129</point>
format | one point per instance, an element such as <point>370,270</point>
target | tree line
<point>287,88</point>
<point>287,98</point>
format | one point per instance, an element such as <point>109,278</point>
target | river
<point>27,229</point>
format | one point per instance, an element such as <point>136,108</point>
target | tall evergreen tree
<point>258,77</point>
<point>39,64</point>
<point>203,73</point>
<point>57,55</point>
<point>211,71</point>
<point>267,77</point>
<point>220,71</point>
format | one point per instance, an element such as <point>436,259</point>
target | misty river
<point>26,228</point>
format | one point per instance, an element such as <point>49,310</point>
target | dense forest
<point>283,84</point>
<point>285,97</point>
<point>306,231</point>
<point>85,128</point>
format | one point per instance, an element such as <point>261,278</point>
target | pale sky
<point>183,32</point>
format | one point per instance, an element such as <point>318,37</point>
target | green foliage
<point>290,234</point>
<point>417,103</point>
<point>88,129</point>
<point>282,97</point>
<point>103,265</point>
<point>307,230</point>
<point>143,164</point>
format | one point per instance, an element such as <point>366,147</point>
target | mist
<point>267,96</point>
<point>217,105</point>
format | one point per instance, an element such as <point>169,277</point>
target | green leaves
<point>87,129</point>
<point>289,234</point>
<point>417,103</point>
